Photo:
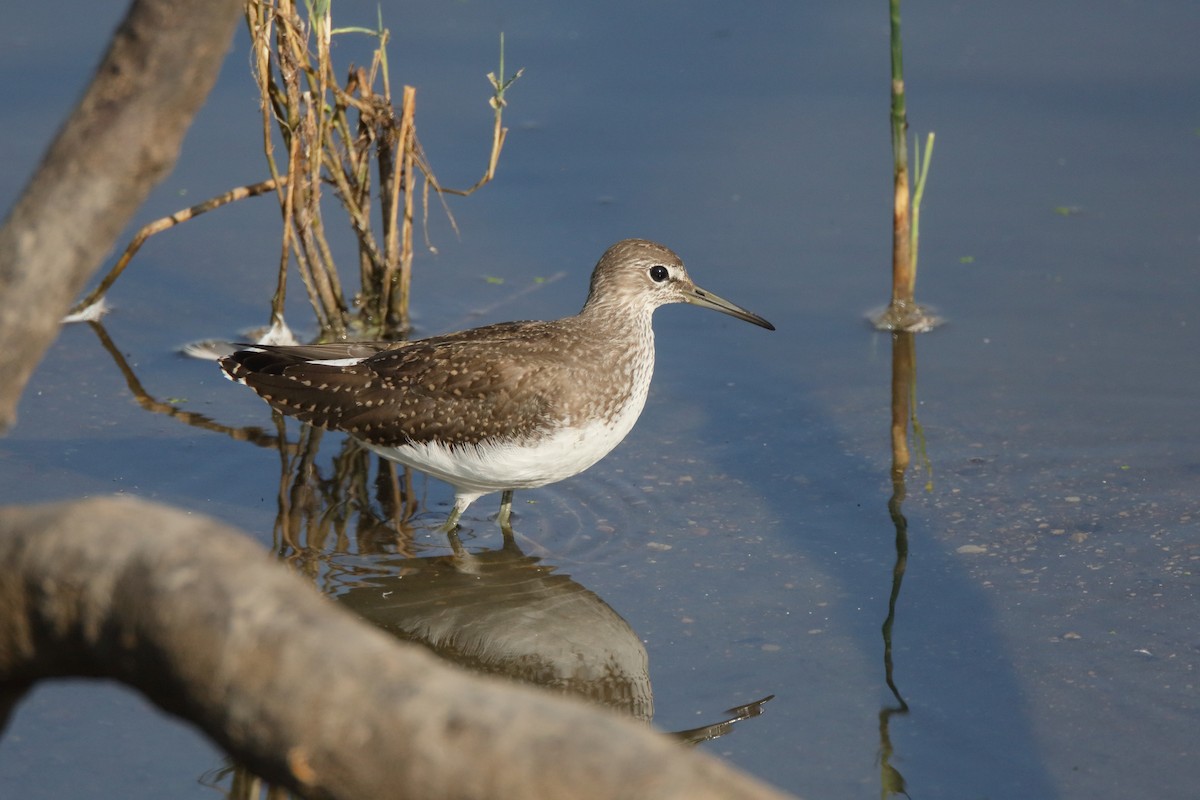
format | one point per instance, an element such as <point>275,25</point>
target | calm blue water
<point>1045,638</point>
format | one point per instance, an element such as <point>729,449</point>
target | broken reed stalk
<point>903,278</point>
<point>336,134</point>
<point>294,90</point>
<point>903,313</point>
<point>160,225</point>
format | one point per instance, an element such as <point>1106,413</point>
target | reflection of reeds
<point>904,402</point>
<point>715,730</point>
<point>346,507</point>
<point>147,401</point>
<point>904,373</point>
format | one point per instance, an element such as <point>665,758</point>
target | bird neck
<point>621,329</point>
<point>617,314</point>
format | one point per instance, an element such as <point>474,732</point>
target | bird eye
<point>659,273</point>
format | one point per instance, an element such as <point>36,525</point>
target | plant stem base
<point>908,317</point>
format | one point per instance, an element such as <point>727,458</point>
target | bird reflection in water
<point>502,612</point>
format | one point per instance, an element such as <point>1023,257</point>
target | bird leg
<point>451,523</point>
<point>505,514</point>
<point>460,552</point>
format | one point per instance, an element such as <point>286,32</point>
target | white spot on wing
<point>337,362</point>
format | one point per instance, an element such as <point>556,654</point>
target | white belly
<point>476,470</point>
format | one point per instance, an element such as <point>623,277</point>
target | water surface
<point>1045,637</point>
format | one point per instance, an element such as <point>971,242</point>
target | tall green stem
<point>903,277</point>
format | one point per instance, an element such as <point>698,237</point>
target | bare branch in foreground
<point>203,622</point>
<point>120,140</point>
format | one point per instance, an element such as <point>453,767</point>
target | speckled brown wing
<point>458,389</point>
<point>332,350</point>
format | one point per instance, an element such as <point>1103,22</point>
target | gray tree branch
<point>204,623</point>
<point>121,139</point>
